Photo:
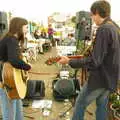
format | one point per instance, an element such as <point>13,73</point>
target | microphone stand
<point>74,97</point>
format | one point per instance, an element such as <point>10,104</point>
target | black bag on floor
<point>65,89</point>
<point>35,89</point>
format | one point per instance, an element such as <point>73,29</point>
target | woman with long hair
<point>11,48</point>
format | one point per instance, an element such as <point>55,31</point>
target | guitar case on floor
<point>35,89</point>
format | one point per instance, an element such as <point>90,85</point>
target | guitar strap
<point>1,66</point>
<point>113,23</point>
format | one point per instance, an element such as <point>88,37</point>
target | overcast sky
<point>39,9</point>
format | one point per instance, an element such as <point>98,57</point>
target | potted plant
<point>114,104</point>
<point>117,113</point>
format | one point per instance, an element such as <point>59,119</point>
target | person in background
<point>37,34</point>
<point>50,34</point>
<point>43,34</point>
<point>41,41</point>
<point>11,47</point>
<point>103,64</point>
<point>70,40</point>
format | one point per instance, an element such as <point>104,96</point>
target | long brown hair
<point>16,27</point>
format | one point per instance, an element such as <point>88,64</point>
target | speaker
<point>65,89</point>
<point>83,25</point>
<point>3,23</point>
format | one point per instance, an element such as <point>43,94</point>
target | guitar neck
<point>75,56</point>
<point>70,57</point>
<point>56,59</point>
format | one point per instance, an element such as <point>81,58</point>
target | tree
<point>33,24</point>
<point>73,19</point>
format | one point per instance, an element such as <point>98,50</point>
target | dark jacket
<point>104,62</point>
<point>10,52</point>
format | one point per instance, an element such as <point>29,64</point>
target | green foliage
<point>80,46</point>
<point>116,104</point>
<point>118,110</point>
<point>73,19</point>
<point>112,97</point>
<point>34,24</point>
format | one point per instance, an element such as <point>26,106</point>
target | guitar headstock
<point>52,60</point>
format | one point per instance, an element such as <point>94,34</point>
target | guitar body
<point>14,81</point>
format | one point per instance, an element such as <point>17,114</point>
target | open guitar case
<point>35,89</point>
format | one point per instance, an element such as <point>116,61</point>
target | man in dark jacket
<point>103,64</point>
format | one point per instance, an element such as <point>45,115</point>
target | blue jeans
<point>85,98</point>
<point>11,109</point>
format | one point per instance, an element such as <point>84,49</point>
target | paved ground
<point>58,108</point>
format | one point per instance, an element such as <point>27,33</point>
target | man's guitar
<point>52,60</point>
<point>14,81</point>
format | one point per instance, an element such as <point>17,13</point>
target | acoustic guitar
<point>14,81</point>
<point>53,60</point>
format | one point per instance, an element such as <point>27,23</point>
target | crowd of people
<point>102,64</point>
